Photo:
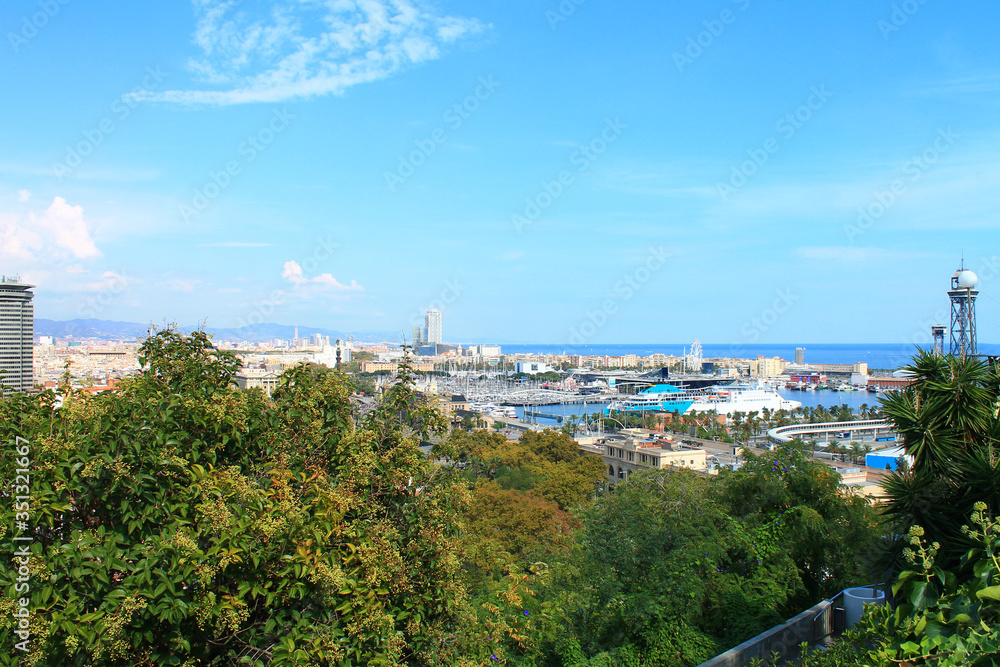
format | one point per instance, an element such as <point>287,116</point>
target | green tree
<point>505,526</point>
<point>551,445</point>
<point>661,553</point>
<point>183,521</point>
<point>947,421</point>
<point>794,504</point>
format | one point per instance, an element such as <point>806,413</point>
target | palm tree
<point>866,449</point>
<point>817,414</point>
<point>812,446</point>
<point>834,448</point>
<point>753,419</point>
<point>948,424</point>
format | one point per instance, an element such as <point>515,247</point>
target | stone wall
<point>810,626</point>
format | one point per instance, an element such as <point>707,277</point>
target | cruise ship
<point>724,399</point>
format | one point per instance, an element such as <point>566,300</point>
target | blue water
<point>562,410</point>
<point>876,355</point>
<point>829,399</point>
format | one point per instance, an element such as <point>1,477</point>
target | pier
<point>865,430</point>
<point>528,412</point>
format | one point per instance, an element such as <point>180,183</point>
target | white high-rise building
<point>17,333</point>
<point>434,326</point>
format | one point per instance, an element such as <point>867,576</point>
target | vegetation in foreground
<point>183,522</point>
<point>944,507</point>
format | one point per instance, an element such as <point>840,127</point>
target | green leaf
<point>991,593</point>
<point>923,595</point>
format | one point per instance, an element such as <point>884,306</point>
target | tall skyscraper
<point>17,331</point>
<point>419,336</point>
<point>800,356</point>
<point>434,326</point>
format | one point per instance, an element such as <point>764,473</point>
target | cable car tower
<point>963,312</point>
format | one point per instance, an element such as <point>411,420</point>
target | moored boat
<point>723,399</point>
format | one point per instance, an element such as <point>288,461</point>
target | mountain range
<point>107,329</point>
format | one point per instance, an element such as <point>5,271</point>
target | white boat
<point>724,399</point>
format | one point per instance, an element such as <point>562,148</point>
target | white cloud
<point>180,285</point>
<point>330,281</point>
<point>75,268</point>
<point>58,233</point>
<point>17,241</point>
<point>292,272</point>
<point>68,228</point>
<point>303,48</point>
<point>23,195</point>
<point>110,281</point>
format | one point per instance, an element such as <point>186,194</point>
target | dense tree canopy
<point>797,506</point>
<point>181,521</point>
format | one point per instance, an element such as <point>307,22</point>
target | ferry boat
<point>724,399</point>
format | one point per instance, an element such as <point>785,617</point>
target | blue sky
<point>541,172</point>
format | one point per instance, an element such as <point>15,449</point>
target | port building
<point>634,452</point>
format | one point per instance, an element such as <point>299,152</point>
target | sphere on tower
<point>967,279</point>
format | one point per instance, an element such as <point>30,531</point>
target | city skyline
<point>564,173</point>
